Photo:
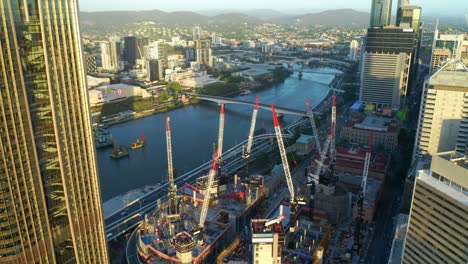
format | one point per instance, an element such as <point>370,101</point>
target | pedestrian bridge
<point>226,100</point>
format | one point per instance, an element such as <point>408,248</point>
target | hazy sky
<point>429,7</point>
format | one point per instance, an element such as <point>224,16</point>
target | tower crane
<point>313,178</point>
<point>173,208</point>
<point>333,129</point>
<point>220,134</point>
<point>312,124</point>
<point>248,148</point>
<point>287,173</point>
<point>197,231</point>
<point>361,196</point>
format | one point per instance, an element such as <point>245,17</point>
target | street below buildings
<point>388,208</point>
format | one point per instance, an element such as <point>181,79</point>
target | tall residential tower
<point>443,117</point>
<point>50,203</point>
<point>437,229</point>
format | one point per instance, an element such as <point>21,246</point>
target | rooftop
<point>444,187</point>
<point>455,157</point>
<point>373,123</point>
<point>304,139</point>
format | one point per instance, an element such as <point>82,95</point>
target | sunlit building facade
<point>50,203</point>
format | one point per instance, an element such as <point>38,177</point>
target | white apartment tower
<point>353,50</point>
<point>443,118</point>
<point>106,56</point>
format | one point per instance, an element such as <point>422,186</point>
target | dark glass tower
<point>381,13</point>
<point>50,203</point>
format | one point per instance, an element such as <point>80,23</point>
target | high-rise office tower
<point>437,228</point>
<point>154,70</point>
<point>386,64</point>
<point>353,50</point>
<point>409,17</point>
<point>445,47</point>
<point>403,3</point>
<point>50,203</point>
<point>381,13</point>
<point>130,50</point>
<point>443,117</point>
<point>203,48</point>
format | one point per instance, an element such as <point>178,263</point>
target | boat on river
<point>138,143</point>
<point>103,141</point>
<point>246,92</point>
<point>119,152</point>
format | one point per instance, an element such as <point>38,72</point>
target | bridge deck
<point>227,100</point>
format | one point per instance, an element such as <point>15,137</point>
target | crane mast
<point>206,199</point>
<point>313,125</point>
<point>362,195</point>
<point>220,134</point>
<point>173,208</point>
<point>284,159</point>
<point>333,130</point>
<point>252,129</point>
<point>287,173</point>
<point>313,179</point>
<point>248,148</point>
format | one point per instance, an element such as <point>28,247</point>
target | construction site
<point>232,219</point>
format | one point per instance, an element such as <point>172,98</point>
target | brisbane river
<point>194,130</point>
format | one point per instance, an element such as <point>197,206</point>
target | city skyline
<point>431,8</point>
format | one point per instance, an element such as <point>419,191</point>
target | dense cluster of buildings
<point>50,202</point>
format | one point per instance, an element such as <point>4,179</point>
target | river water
<point>194,131</point>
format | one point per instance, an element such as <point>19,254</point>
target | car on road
<point>109,235</point>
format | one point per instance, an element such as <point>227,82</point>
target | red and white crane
<point>313,178</point>
<point>362,195</point>
<point>173,208</point>
<point>248,148</point>
<point>284,158</point>
<point>287,173</point>
<point>220,134</point>
<point>333,129</point>
<point>313,125</point>
<point>206,199</point>
<point>246,154</point>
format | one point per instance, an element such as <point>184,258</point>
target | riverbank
<point>132,109</point>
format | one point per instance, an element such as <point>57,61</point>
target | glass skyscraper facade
<point>381,13</point>
<point>50,203</point>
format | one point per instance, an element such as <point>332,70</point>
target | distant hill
<point>330,17</point>
<point>334,17</point>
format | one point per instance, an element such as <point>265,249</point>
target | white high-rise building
<point>106,56</point>
<point>353,50</point>
<point>443,118</point>
<point>110,55</point>
<point>216,39</point>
